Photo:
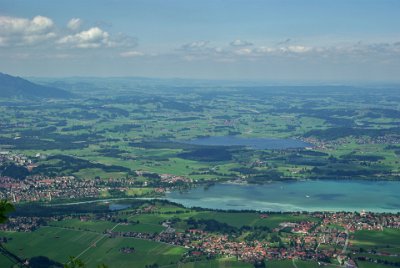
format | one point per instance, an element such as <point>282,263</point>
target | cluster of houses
<point>173,179</point>
<point>23,224</point>
<point>385,139</point>
<point>249,251</point>
<point>18,159</point>
<point>43,188</point>
<point>296,227</point>
<point>362,220</point>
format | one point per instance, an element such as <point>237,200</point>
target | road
<point>346,242</point>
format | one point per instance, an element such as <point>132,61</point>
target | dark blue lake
<point>115,207</point>
<point>254,143</point>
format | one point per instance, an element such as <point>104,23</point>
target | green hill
<point>17,87</point>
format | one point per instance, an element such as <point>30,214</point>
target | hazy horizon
<point>233,81</point>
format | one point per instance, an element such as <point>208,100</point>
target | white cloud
<point>197,45</point>
<point>40,24</point>
<point>240,43</point>
<point>200,50</point>
<point>265,50</point>
<point>131,54</point>
<point>243,51</point>
<point>296,49</point>
<point>92,38</point>
<point>40,30</point>
<point>74,24</point>
<point>123,40</point>
<point>20,31</point>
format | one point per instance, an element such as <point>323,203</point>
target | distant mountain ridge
<point>12,86</point>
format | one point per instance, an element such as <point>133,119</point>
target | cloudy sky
<point>317,40</point>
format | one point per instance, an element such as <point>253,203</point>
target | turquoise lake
<point>318,195</point>
<point>254,143</point>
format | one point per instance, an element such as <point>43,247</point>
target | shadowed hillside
<point>11,86</point>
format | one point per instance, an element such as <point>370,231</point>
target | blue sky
<point>317,40</point>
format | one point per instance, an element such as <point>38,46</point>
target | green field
<point>363,264</point>
<point>251,219</point>
<point>5,262</point>
<point>58,244</point>
<point>141,227</point>
<point>294,264</point>
<point>220,263</point>
<point>146,252</point>
<point>95,226</point>
<point>388,239</point>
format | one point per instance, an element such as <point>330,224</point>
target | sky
<point>271,40</point>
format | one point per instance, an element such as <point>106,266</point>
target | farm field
<point>55,243</point>
<point>146,253</point>
<point>387,240</point>
<point>59,244</point>
<point>221,263</point>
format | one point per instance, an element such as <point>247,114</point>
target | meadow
<point>387,240</point>
<point>58,244</point>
